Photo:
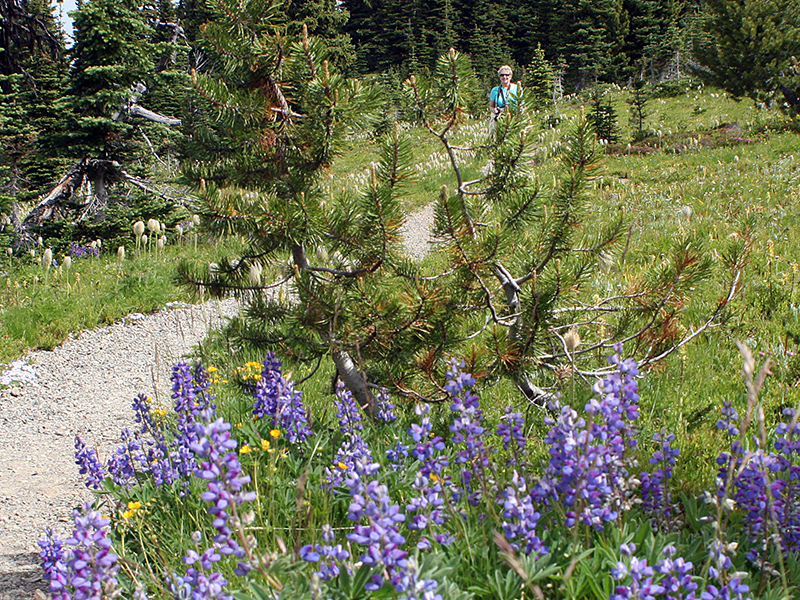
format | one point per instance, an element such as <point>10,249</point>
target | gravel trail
<point>85,387</point>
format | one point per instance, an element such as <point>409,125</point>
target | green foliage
<point>108,57</point>
<point>640,96</point>
<point>750,48</point>
<point>603,117</point>
<point>39,309</point>
<point>539,80</point>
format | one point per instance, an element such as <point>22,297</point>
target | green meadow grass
<point>39,308</point>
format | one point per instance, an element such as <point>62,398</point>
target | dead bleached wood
<point>131,106</point>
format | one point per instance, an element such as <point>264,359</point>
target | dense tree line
<point>78,108</point>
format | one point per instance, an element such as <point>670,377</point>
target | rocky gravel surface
<point>85,387</point>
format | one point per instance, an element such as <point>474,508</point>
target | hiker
<point>501,95</point>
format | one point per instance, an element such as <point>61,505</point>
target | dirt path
<point>83,387</point>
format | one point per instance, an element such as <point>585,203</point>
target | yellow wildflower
<point>342,466</point>
<point>134,505</point>
<point>276,433</point>
<point>212,369</point>
<point>160,412</point>
<point>245,449</point>
<point>265,444</point>
<point>128,514</point>
<point>238,425</point>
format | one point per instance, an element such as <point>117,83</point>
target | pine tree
<point>28,114</point>
<point>539,79</point>
<point>751,48</point>
<point>110,56</point>
<point>277,113</point>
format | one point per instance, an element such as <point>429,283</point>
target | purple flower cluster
<point>191,397</point>
<point>381,533</point>
<point>671,578</point>
<point>278,401</point>
<point>200,582</point>
<point>353,449</point>
<point>656,495</point>
<point>763,483</point>
<point>467,429</point>
<point>327,556</point>
<point>89,464</point>
<point>385,407</point>
<point>220,466</point>
<point>510,431</point>
<point>155,448</point>
<point>520,517</point>
<point>431,481</point>
<point>78,251</point>
<point>83,566</point>
<point>588,468</point>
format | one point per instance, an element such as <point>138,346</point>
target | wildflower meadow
<point>261,497</point>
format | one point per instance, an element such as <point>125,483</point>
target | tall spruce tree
<point>110,55</point>
<point>27,111</point>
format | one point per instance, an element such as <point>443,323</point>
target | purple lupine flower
<point>353,449</point>
<point>428,508</point>
<point>83,567</point>
<point>122,464</point>
<point>347,411</point>
<point>677,581</point>
<point>397,455</point>
<point>656,495</point>
<point>197,585</point>
<point>520,517</point>
<point>381,533</point>
<point>642,585</point>
<point>89,464</point>
<point>412,587</point>
<point>52,561</point>
<point>191,396</point>
<point>327,556</point>
<point>220,466</point>
<point>385,407</point>
<point>588,468</point>
<point>278,401</point>
<point>78,251</point>
<point>510,431</point>
<point>467,430</point>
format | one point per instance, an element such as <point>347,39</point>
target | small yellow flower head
<point>128,514</point>
<point>434,477</point>
<point>212,369</point>
<point>134,505</point>
<point>238,425</point>
<point>265,444</point>
<point>276,433</point>
<point>245,449</point>
<point>341,465</point>
<point>160,412</point>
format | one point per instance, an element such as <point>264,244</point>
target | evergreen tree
<point>27,114</point>
<point>751,48</point>
<point>277,115</point>
<point>603,117</point>
<point>539,79</point>
<point>111,55</point>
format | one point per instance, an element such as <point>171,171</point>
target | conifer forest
<point>583,384</point>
